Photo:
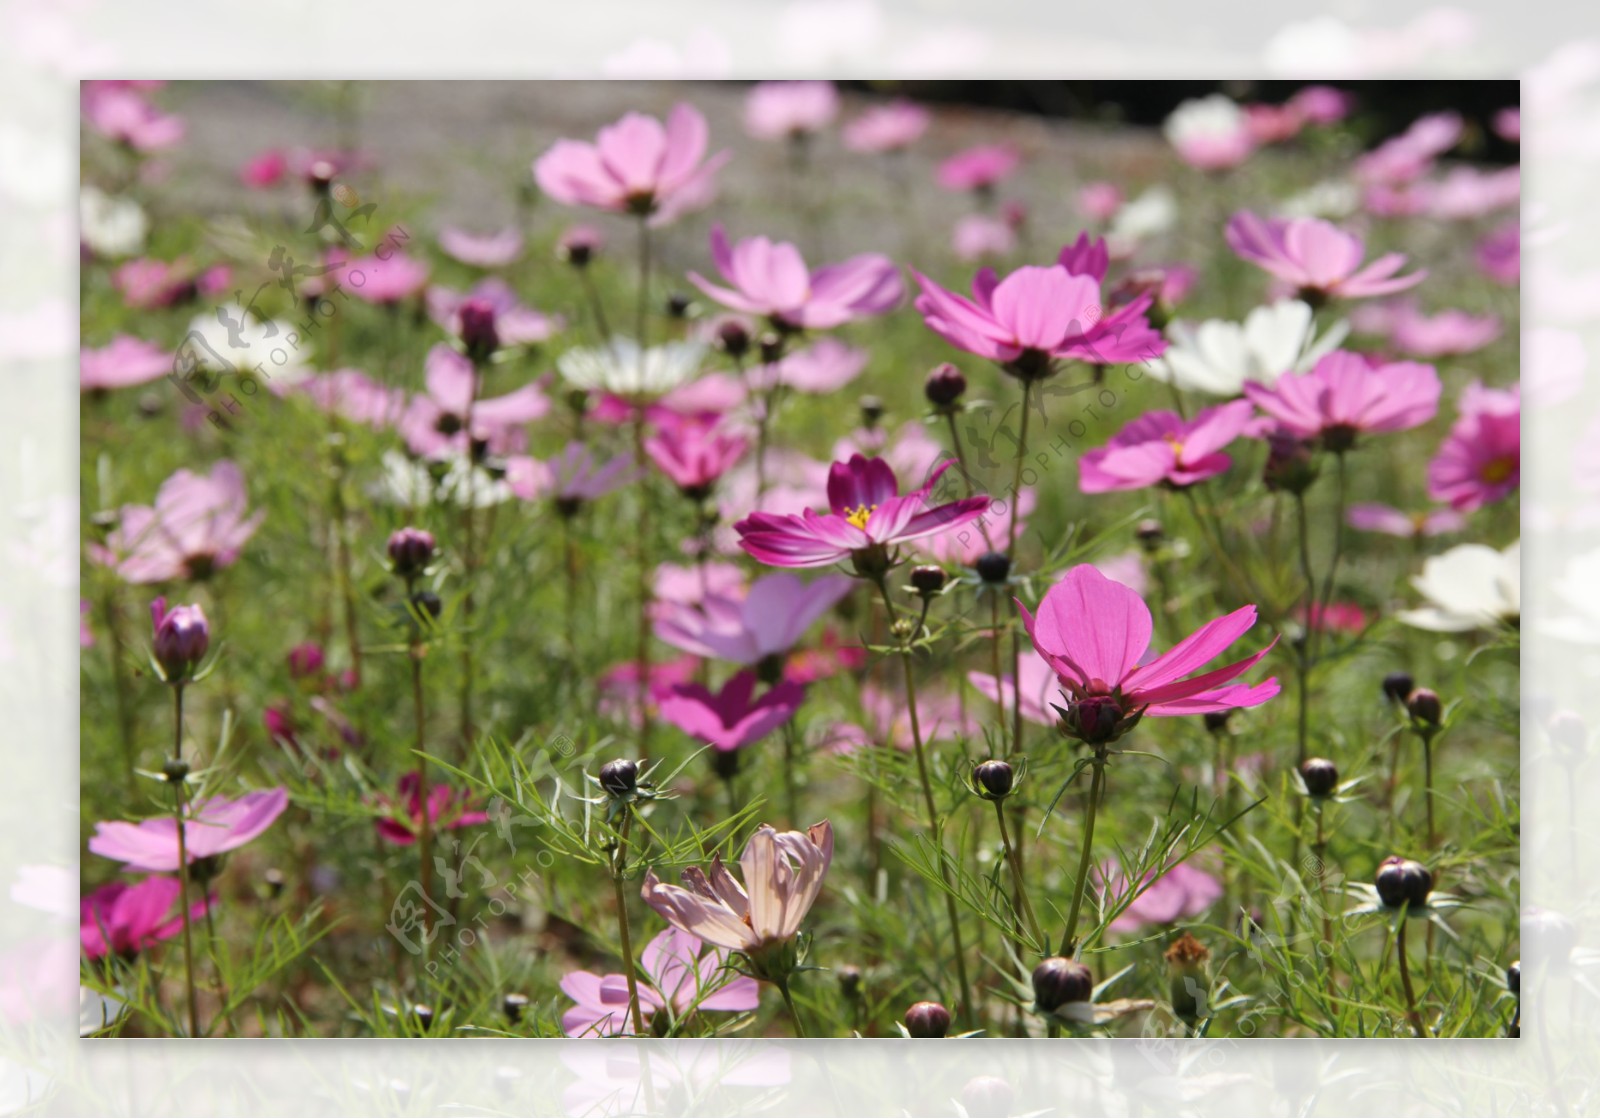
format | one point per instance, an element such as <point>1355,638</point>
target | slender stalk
<point>1018,885</point>
<point>999,680</point>
<point>968,1010</point>
<point>469,565</point>
<point>569,548</point>
<point>1303,650</point>
<point>592,293</point>
<point>340,529</point>
<point>119,683</point>
<point>1427,785</point>
<point>1321,849</point>
<point>1338,554</point>
<point>1405,980</point>
<point>641,322</point>
<point>425,824</point>
<point>1069,941</point>
<point>791,796</point>
<point>794,1011</point>
<point>183,865</point>
<point>1016,477</point>
<point>618,862</point>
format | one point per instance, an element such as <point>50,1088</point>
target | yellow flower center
<point>1176,444</point>
<point>1497,470</point>
<point>858,516</point>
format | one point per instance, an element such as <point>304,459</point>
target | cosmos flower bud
<point>410,551</point>
<point>1514,978</point>
<point>1321,777</point>
<point>181,637</point>
<point>579,245</point>
<point>928,579</point>
<point>1186,975</point>
<point>423,1014</point>
<point>945,386</point>
<point>994,567</point>
<point>677,305</point>
<point>1150,534</point>
<point>732,338</point>
<point>872,410</point>
<point>1098,719</point>
<point>620,777</point>
<point>479,336</point>
<point>1059,981</point>
<point>1424,706</point>
<point>175,770</point>
<point>1217,721</point>
<point>1291,463</point>
<point>993,779</point>
<point>306,659</point>
<point>927,1019</point>
<point>1398,685</point>
<point>850,982</point>
<point>513,1005</point>
<point>1403,882</point>
<point>427,604</point>
<point>771,347</point>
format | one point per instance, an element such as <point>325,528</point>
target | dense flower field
<point>814,615</point>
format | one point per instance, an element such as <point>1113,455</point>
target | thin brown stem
<point>1020,887</point>
<point>618,864</point>
<point>183,864</point>
<point>1405,979</point>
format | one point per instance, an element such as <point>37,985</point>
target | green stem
<point>1333,563</point>
<point>1015,859</point>
<point>425,823</point>
<point>618,863</point>
<point>1427,784</point>
<point>1405,979</point>
<point>1069,941</point>
<point>643,583</point>
<point>1016,476</point>
<point>119,681</point>
<point>794,1011</point>
<point>183,865</point>
<point>791,795</point>
<point>1303,659</point>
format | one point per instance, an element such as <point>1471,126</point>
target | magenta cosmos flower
<point>214,826</point>
<point>734,717</point>
<point>1164,448</point>
<point>384,279</point>
<point>979,168</point>
<point>514,324</point>
<point>783,873</point>
<point>1345,396</point>
<point>1095,634</point>
<point>1036,317</point>
<point>675,977</point>
<point>1181,893</point>
<point>767,621</point>
<point>1320,260</point>
<point>1038,685</point>
<point>199,523</point>
<point>1480,461</point>
<point>122,920</point>
<point>887,128</point>
<point>771,278</point>
<point>123,114</point>
<point>481,250</point>
<point>436,421</point>
<point>125,362</point>
<point>822,367</point>
<point>635,166</point>
<point>785,110</point>
<point>448,808</point>
<point>694,452</point>
<point>866,517</point>
<point>1373,516</point>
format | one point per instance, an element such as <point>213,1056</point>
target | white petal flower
<point>621,368</point>
<point>1218,357</point>
<point>1153,212</point>
<point>111,227</point>
<point>231,339</point>
<point>417,484</point>
<point>1331,199</point>
<point>1471,586</point>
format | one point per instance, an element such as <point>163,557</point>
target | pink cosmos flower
<point>1095,634</point>
<point>214,826</point>
<point>784,110</point>
<point>1333,617</point>
<point>770,278</point>
<point>1037,316</point>
<point>887,128</point>
<point>1099,201</point>
<point>124,115</point>
<point>1466,193</point>
<point>264,169</point>
<point>448,809</point>
<point>125,362</point>
<point>940,715</point>
<point>514,324</point>
<point>1410,155</point>
<point>570,479</point>
<point>747,628</point>
<point>1210,133</point>
<point>1180,893</point>
<point>734,717</point>
<point>1038,688</point>
<point>1448,332</point>
<point>1480,461</point>
<point>1344,396</point>
<point>977,236</point>
<point>1273,124</point>
<point>620,685</point>
<point>694,452</point>
<point>866,517</point>
<point>435,423</point>
<point>826,657</point>
<point>1507,124</point>
<point>673,974</point>
<point>355,396</point>
<point>1161,447</point>
<point>636,166</point>
<point>783,873</point>
<point>1322,104</point>
<point>822,367</point>
<point>122,920</point>
<point>1376,517</point>
<point>481,250</point>
<point>681,586</point>
<point>1318,259</point>
<point>197,525</point>
<point>383,280</point>
<point>965,546</point>
<point>1499,254</point>
<point>149,283</point>
<point>979,168</point>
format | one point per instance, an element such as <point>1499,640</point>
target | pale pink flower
<point>514,323</point>
<point>977,236</point>
<point>1180,893</point>
<point>887,128</point>
<point>436,422</point>
<point>1322,104</point>
<point>822,367</point>
<point>746,628</point>
<point>355,396</point>
<point>384,279</point>
<point>570,479</point>
<point>123,919</point>
<point>1448,332</point>
<point>783,873</point>
<point>124,115</point>
<point>694,452</point>
<point>673,974</point>
<point>1345,395</point>
<point>1099,201</point>
<point>1499,254</point>
<point>940,715</point>
<point>198,524</point>
<point>213,826</point>
<point>126,361</point>
<point>770,278</point>
<point>1161,447</point>
<point>481,250</point>
<point>1411,154</point>
<point>979,168</point>
<point>784,110</point>
<point>1039,688</point>
<point>1376,517</point>
<point>1315,257</point>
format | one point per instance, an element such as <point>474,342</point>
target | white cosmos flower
<point>1153,212</point>
<point>620,368</point>
<point>1579,588</point>
<point>1471,586</point>
<point>1331,199</point>
<point>110,226</point>
<point>412,482</point>
<point>1219,357</point>
<point>230,339</point>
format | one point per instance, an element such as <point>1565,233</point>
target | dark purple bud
<point>994,567</point>
<point>479,336</point>
<point>181,637</point>
<point>850,981</point>
<point>1291,463</point>
<point>677,306</point>
<point>579,245</point>
<point>945,386</point>
<point>513,1005</point>
<point>427,604</point>
<point>1403,882</point>
<point>771,347</point>
<point>1398,685</point>
<point>620,777</point>
<point>1514,979</point>
<point>306,659</point>
<point>872,410</point>
<point>927,1019</point>
<point>1096,719</point>
<point>928,579</point>
<point>175,770</point>
<point>1320,775</point>
<point>1425,707</point>
<point>1217,721</point>
<point>1150,534</point>
<point>733,338</point>
<point>1059,981</point>
<point>410,552</point>
<point>993,778</point>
